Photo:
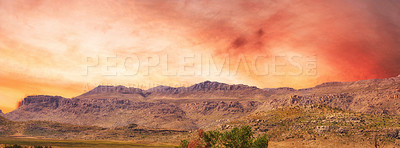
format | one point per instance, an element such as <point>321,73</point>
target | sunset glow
<point>68,47</point>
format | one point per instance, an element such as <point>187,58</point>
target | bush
<point>184,143</point>
<point>212,138</point>
<point>236,138</point>
<point>261,142</point>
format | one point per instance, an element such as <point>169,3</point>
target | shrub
<point>184,143</point>
<point>261,142</point>
<point>238,138</point>
<point>212,138</point>
<point>235,138</point>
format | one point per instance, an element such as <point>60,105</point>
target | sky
<point>65,48</point>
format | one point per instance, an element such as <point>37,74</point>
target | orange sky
<point>46,46</point>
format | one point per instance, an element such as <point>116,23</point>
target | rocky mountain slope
<point>320,125</point>
<point>204,104</point>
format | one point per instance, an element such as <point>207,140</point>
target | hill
<point>320,125</point>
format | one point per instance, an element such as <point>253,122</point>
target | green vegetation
<point>184,143</point>
<point>235,138</point>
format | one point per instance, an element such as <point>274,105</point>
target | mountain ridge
<point>225,86</point>
<point>205,85</point>
<point>203,104</point>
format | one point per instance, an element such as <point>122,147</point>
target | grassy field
<point>72,143</point>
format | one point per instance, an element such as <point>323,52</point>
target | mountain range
<point>203,105</point>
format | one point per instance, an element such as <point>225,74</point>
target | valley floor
<point>36,141</point>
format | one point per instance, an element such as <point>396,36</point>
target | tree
<point>235,138</point>
<point>238,138</point>
<point>261,142</point>
<point>212,138</point>
<point>184,143</point>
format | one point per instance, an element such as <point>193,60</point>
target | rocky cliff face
<point>206,90</point>
<point>204,104</point>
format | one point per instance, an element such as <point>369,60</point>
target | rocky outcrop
<point>208,85</point>
<point>335,100</point>
<point>205,90</point>
<point>101,89</point>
